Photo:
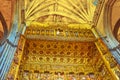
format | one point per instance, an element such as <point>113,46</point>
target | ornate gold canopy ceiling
<point>59,11</point>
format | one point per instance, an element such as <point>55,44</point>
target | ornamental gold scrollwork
<point>60,56</point>
<point>59,33</point>
<point>12,74</point>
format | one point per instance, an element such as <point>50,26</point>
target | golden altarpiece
<point>62,53</point>
<point>60,43</point>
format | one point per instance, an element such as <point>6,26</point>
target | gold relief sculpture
<point>107,58</point>
<point>49,58</point>
<point>111,60</point>
<point>59,33</point>
<point>58,49</point>
<point>16,61</point>
<point>117,72</point>
<point>56,60</point>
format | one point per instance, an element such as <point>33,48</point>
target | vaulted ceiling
<point>59,11</point>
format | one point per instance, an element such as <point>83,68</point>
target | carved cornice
<point>60,33</point>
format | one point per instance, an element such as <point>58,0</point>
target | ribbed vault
<point>59,11</point>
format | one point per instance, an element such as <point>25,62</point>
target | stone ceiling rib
<point>79,11</point>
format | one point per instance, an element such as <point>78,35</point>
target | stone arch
<point>116,28</point>
<point>112,42</point>
<point>5,28</point>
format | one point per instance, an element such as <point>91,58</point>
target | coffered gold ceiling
<point>59,11</point>
<point>62,54</point>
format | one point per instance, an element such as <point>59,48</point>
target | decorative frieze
<point>56,33</point>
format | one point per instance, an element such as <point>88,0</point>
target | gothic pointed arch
<point>116,29</point>
<point>5,28</point>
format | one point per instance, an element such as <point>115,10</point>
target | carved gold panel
<point>64,57</point>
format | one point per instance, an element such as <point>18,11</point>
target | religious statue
<point>25,76</point>
<point>71,77</point>
<point>60,77</point>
